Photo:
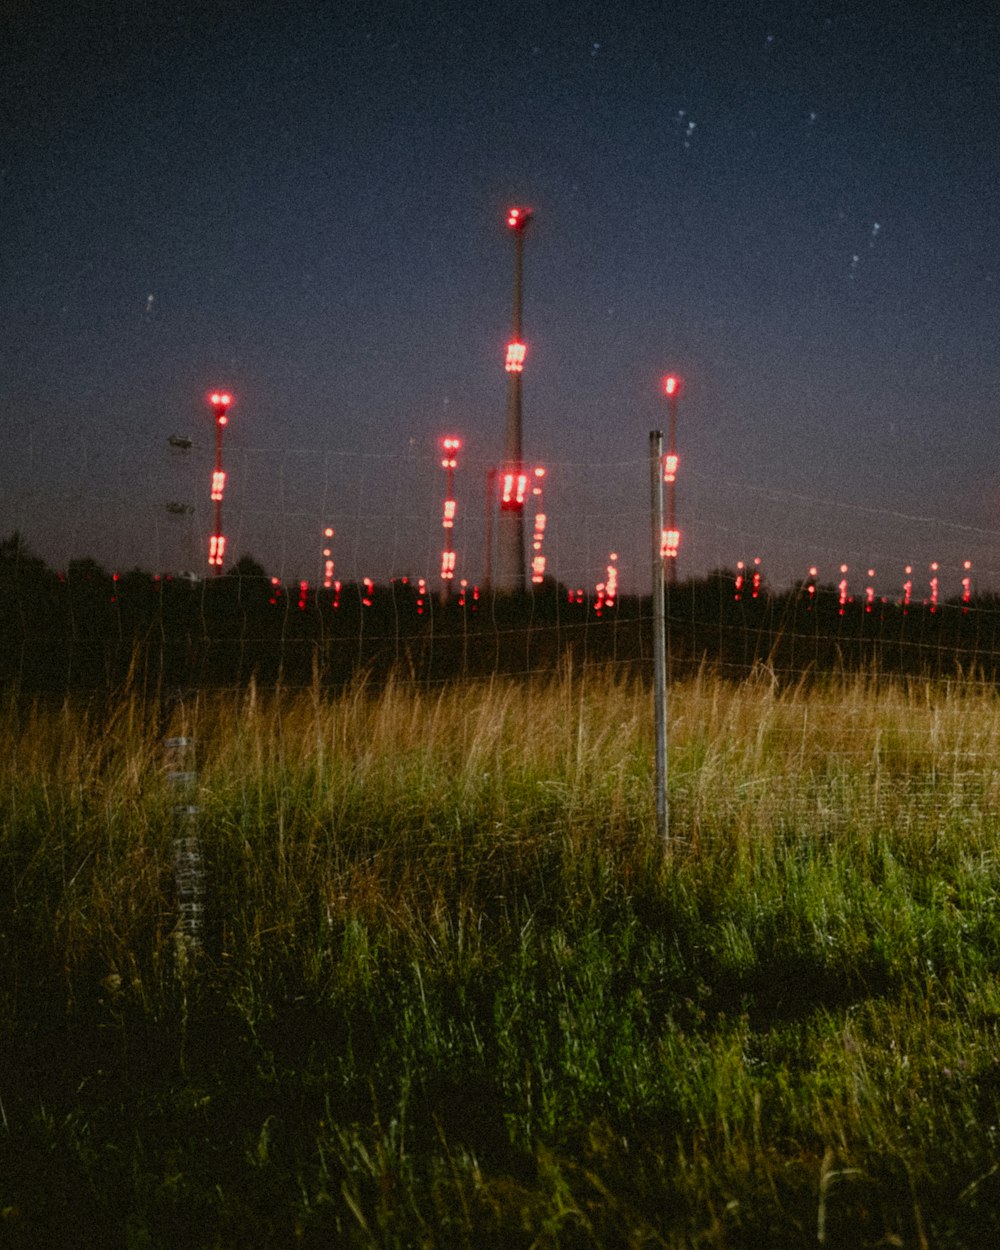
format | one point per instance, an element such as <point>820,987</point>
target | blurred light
<point>515,357</point>
<point>514,487</point>
<point>671,385</point>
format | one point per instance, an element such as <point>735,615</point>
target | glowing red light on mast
<point>611,585</point>
<point>221,402</point>
<point>671,388</point>
<point>537,559</point>
<point>450,447</point>
<point>216,550</point>
<point>513,489</point>
<point>328,565</point>
<point>670,542</point>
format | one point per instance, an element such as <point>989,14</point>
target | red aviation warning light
<point>934,586</point>
<point>739,580</point>
<point>538,560</point>
<point>842,588</point>
<point>221,401</point>
<point>966,585</point>
<point>328,566</point>
<point>870,592</point>
<point>611,585</point>
<point>671,541</point>
<point>450,448</point>
<point>518,218</point>
<point>670,462</point>
<point>515,357</point>
<point>514,488</point>
<point>671,385</point>
<point>907,587</point>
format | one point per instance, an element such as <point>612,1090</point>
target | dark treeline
<point>86,628</point>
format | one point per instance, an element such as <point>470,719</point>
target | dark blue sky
<point>792,205</point>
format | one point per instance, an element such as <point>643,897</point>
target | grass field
<point>451,992</point>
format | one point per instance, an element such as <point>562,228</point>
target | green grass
<point>453,993</point>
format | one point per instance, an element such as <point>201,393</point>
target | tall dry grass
<point>451,980</point>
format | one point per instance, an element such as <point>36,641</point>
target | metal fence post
<point>659,637</point>
<point>189,873</point>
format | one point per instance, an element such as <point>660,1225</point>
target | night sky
<point>793,206</point>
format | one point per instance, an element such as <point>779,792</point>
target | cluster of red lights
<point>463,594</point>
<point>669,542</point>
<point>516,353</point>
<point>740,583</point>
<point>513,489</point>
<point>871,597</point>
<point>221,401</point>
<point>537,558</point>
<point>327,558</point>
<point>450,447</point>
<point>607,591</point>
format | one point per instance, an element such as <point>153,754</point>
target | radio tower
<point>450,447</point>
<point>510,540</point>
<point>672,537</point>
<point>220,401</point>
